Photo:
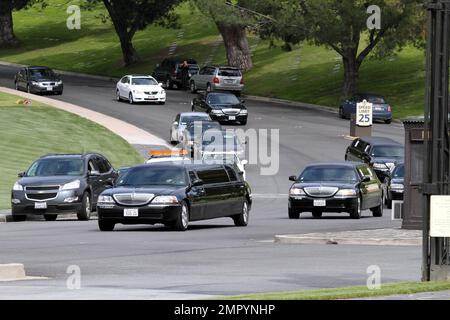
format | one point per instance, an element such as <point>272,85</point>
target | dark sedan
<point>382,111</point>
<point>221,106</point>
<point>335,187</point>
<point>175,194</point>
<point>38,80</point>
<point>394,185</point>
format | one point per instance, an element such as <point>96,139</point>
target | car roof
<point>380,141</point>
<point>346,164</point>
<point>69,155</point>
<point>138,76</point>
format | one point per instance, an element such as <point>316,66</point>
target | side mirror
<point>21,174</point>
<point>244,162</point>
<point>293,178</point>
<point>365,179</point>
<point>197,183</point>
<point>94,173</point>
<point>242,101</point>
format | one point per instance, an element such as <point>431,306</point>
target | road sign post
<point>361,121</point>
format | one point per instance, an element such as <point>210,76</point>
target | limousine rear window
<point>212,176</point>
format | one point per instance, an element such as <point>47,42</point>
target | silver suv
<point>211,78</point>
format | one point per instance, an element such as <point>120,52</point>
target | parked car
<point>229,158</point>
<point>381,111</point>
<point>194,131</point>
<point>335,187</point>
<point>175,194</point>
<point>380,153</point>
<point>218,141</point>
<point>222,107</point>
<point>215,78</point>
<point>140,88</point>
<point>36,79</point>
<point>60,183</point>
<point>394,185</point>
<point>169,71</point>
<point>159,156</point>
<point>182,120</point>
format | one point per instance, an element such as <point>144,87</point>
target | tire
<point>341,113</point>
<point>388,203</point>
<point>50,217</point>
<point>317,214</point>
<point>294,214</point>
<point>162,103</point>
<point>208,88</point>
<point>105,225</point>
<point>389,121</point>
<point>84,214</point>
<point>118,97</point>
<point>378,210</point>
<point>244,123</point>
<point>193,87</point>
<point>59,93</point>
<point>182,222</point>
<point>19,218</point>
<point>130,98</point>
<point>241,220</point>
<point>355,213</point>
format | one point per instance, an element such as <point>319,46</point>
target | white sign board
<point>440,216</point>
<point>364,116</point>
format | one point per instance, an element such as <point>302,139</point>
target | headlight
<point>35,83</point>
<point>71,185</point>
<point>216,111</point>
<point>163,92</point>
<point>397,186</point>
<point>346,193</point>
<point>297,192</point>
<point>105,199</point>
<point>381,166</point>
<point>59,82</point>
<point>244,112</point>
<point>17,187</point>
<point>165,200</point>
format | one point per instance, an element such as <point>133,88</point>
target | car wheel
<point>388,203</point>
<point>19,218</point>
<point>356,211</point>
<point>317,214</point>
<point>193,87</point>
<point>130,98</point>
<point>341,112</point>
<point>241,220</point>
<point>118,98</point>
<point>294,214</point>
<point>84,213</point>
<point>162,103</point>
<point>378,210</point>
<point>244,122</point>
<point>182,222</point>
<point>59,93</point>
<point>208,88</point>
<point>50,217</point>
<point>105,225</point>
<point>388,121</point>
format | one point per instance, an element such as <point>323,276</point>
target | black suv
<point>61,183</point>
<point>169,71</point>
<point>38,80</point>
<point>221,106</point>
<point>174,194</point>
<point>380,153</point>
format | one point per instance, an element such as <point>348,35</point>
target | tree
<point>130,16</point>
<point>232,24</point>
<point>7,37</point>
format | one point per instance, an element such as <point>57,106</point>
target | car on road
<point>394,185</point>
<point>169,71</point>
<point>218,141</point>
<point>175,194</point>
<point>381,111</point>
<point>335,187</point>
<point>195,130</point>
<point>381,153</point>
<point>35,79</point>
<point>222,107</point>
<point>229,158</point>
<point>140,88</point>
<point>182,120</point>
<point>218,78</point>
<point>61,183</point>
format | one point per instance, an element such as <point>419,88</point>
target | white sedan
<point>136,88</point>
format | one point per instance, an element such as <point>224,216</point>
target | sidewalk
<point>379,237</point>
<point>438,295</point>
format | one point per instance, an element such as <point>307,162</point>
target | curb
<point>305,239</point>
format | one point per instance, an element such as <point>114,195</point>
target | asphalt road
<point>213,257</point>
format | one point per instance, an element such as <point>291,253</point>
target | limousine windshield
<point>154,176</point>
<point>328,174</point>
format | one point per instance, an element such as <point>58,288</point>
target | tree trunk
<point>7,37</point>
<point>236,45</point>
<point>351,74</point>
<point>130,55</point>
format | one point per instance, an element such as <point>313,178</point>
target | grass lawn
<point>28,132</point>
<point>350,292</point>
<point>309,74</point>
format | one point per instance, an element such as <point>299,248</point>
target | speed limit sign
<point>364,114</point>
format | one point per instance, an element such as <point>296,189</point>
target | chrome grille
<point>41,188</point>
<point>321,191</point>
<point>231,111</point>
<point>41,193</point>
<point>133,199</point>
<point>41,196</point>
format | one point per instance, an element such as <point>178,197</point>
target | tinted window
<point>197,117</point>
<point>154,176</point>
<point>388,151</point>
<point>144,82</point>
<point>229,73</point>
<point>41,73</point>
<point>328,174</point>
<point>56,167</point>
<point>103,165</point>
<point>192,176</point>
<point>203,127</point>
<point>211,71</point>
<point>211,176</point>
<point>399,171</point>
<point>220,98</point>
<point>231,173</point>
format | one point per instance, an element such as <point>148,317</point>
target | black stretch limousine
<point>174,194</point>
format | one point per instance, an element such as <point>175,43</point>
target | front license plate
<point>49,88</point>
<point>320,203</point>
<point>131,212</point>
<point>231,118</point>
<point>40,205</point>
